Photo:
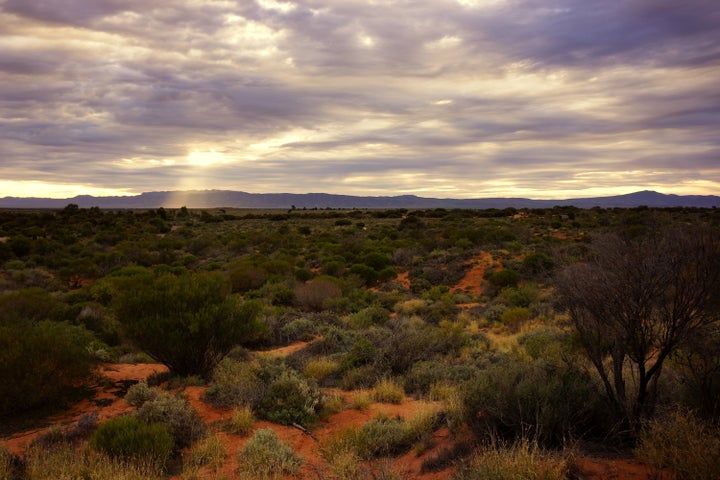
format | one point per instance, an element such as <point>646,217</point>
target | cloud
<point>361,97</point>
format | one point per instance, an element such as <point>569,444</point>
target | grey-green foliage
<point>235,383</point>
<point>140,393</point>
<point>265,456</point>
<point>176,414</point>
<point>683,443</point>
<point>289,399</point>
<point>128,437</point>
<point>537,399</point>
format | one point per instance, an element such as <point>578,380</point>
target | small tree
<point>188,322</point>
<point>635,301</point>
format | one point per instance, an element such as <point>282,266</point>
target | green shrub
<point>140,393</point>
<point>424,374</point>
<point>209,451</point>
<point>39,361</point>
<point>265,456</point>
<point>235,383</point>
<point>320,368</point>
<point>314,294</point>
<point>522,460</point>
<point>188,322</point>
<point>683,443</point>
<point>290,399</point>
<point>299,329</point>
<point>381,437</point>
<point>547,402</point>
<point>538,264</point>
<point>128,437</point>
<point>520,296</point>
<point>245,278</point>
<point>388,391</point>
<point>6,465</point>
<point>368,317</point>
<point>175,414</point>
<point>241,420</point>
<point>362,352</point>
<point>359,377</point>
<point>546,343</point>
<point>514,317</point>
<point>504,278</point>
<point>67,462</point>
<point>361,400</point>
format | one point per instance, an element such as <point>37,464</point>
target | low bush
<point>209,451</point>
<point>381,437</point>
<point>424,374</point>
<point>547,343</point>
<point>521,460</point>
<point>320,368</point>
<point>520,296</point>
<point>331,405</point>
<point>235,384</point>
<point>300,329</point>
<point>188,322</point>
<point>290,399</point>
<point>388,391</point>
<point>66,462</point>
<point>359,377</point>
<point>683,443</point>
<point>130,438</point>
<point>58,435</point>
<point>536,399</point>
<point>514,317</point>
<point>265,456</point>
<point>7,465</point>
<point>504,278</point>
<point>241,421</point>
<point>175,414</point>
<point>39,361</point>
<point>314,294</point>
<point>361,400</point>
<point>140,393</point>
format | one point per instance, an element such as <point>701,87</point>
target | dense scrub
<point>481,311</point>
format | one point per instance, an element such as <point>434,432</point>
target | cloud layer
<point>444,98</point>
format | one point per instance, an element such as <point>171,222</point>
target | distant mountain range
<point>233,199</point>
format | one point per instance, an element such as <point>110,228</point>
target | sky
<point>436,98</point>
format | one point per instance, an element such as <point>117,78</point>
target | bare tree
<point>635,301</point>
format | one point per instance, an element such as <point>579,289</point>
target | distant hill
<point>234,199</point>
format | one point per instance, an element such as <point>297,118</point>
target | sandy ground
<point>473,282</point>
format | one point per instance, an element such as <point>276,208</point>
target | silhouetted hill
<point>234,199</point>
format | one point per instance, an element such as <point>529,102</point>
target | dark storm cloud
<point>568,32</point>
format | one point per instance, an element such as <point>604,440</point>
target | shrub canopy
<point>188,322</point>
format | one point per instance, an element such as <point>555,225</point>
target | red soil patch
<point>283,351</point>
<point>107,401</point>
<point>314,466</point>
<point>473,282</point>
<point>403,279</point>
<point>618,469</point>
